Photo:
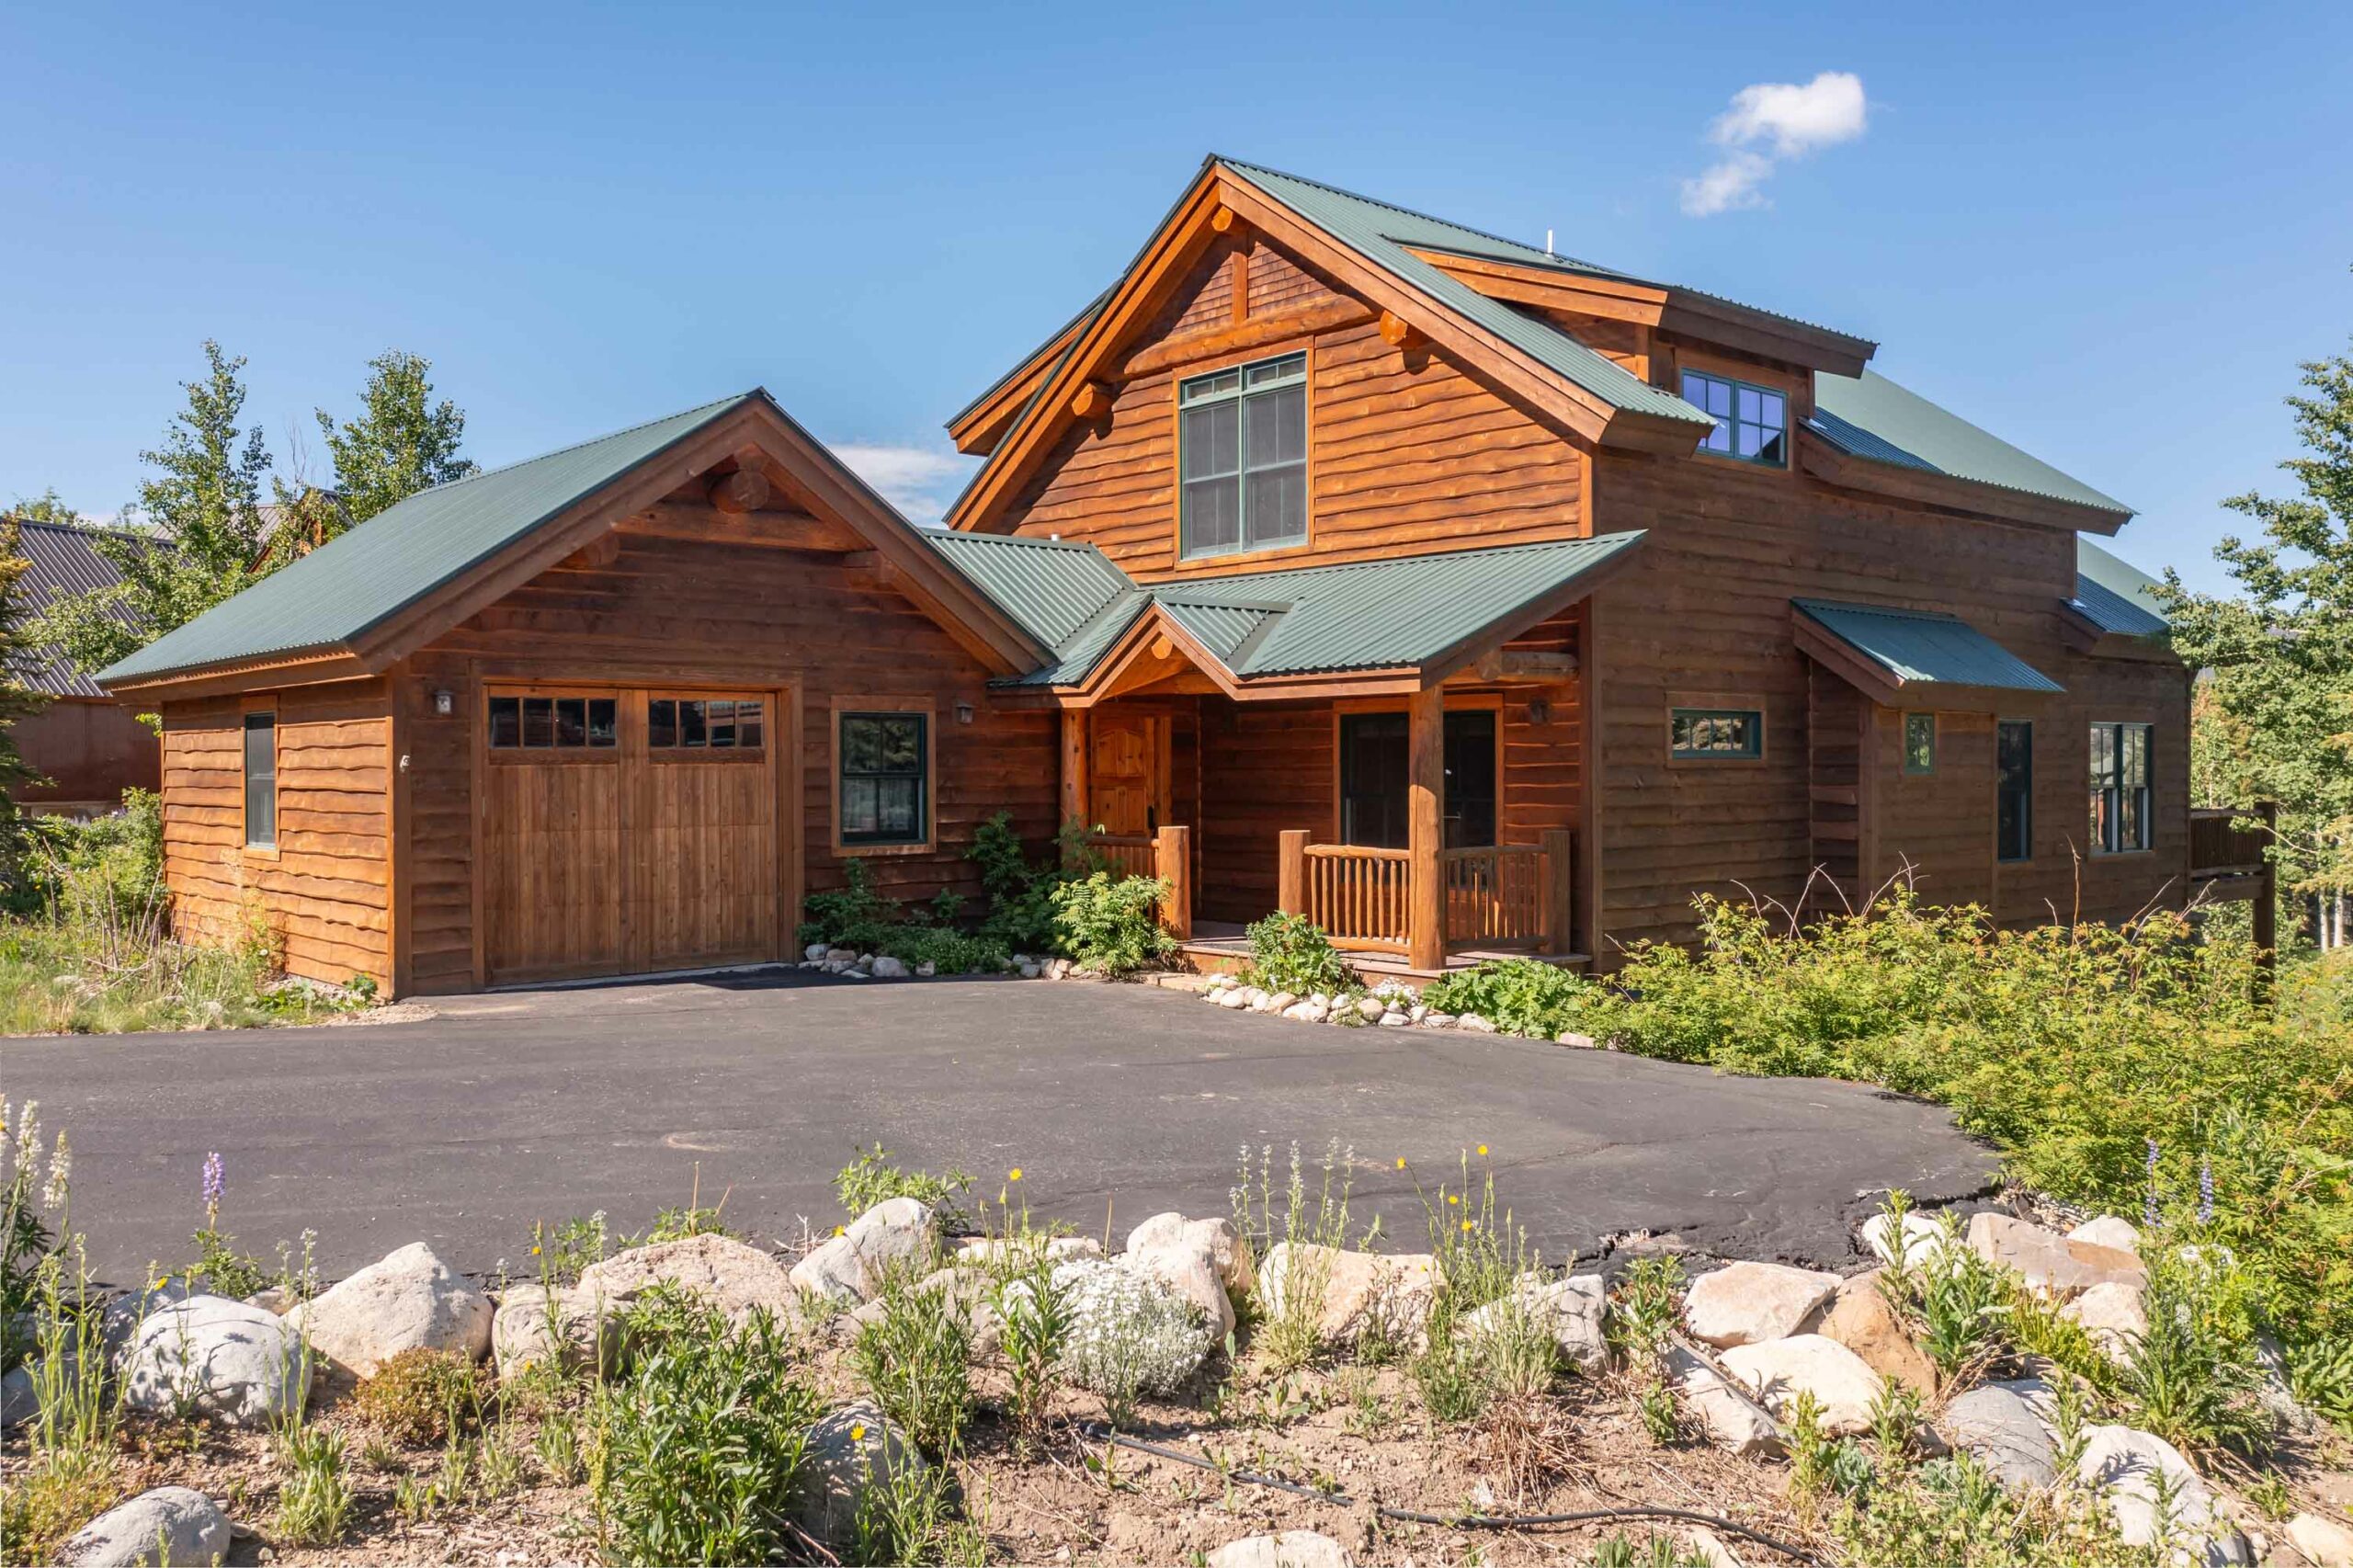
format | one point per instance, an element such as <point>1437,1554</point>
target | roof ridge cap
<point>977,537</point>
<point>609,435</point>
<point>1391,207</point>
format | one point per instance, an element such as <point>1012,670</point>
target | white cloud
<point>918,481</point>
<point>1768,124</point>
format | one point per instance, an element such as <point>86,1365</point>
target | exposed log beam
<point>745,490</point>
<point>1182,348</point>
<point>1225,219</point>
<point>1091,402</point>
<point>777,531</point>
<point>1525,663</point>
<point>1399,333</point>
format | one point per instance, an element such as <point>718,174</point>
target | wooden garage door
<point>627,831</point>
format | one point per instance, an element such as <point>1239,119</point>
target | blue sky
<point>2106,233</point>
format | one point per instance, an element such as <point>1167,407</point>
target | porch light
<point>964,712</point>
<point>445,703</point>
<point>1540,710</point>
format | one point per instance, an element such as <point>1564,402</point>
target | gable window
<point>1242,440</point>
<point>1375,768</point>
<point>2014,790</point>
<point>1720,734</point>
<point>2120,788</point>
<point>885,779</point>
<point>1919,742</point>
<point>261,780</point>
<point>1752,422</point>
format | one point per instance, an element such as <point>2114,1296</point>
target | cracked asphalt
<point>463,1128</point>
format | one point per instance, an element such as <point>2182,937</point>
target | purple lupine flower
<point>2149,1202</point>
<point>2206,1189</point>
<point>214,1186</point>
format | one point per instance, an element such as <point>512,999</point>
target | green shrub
<point>870,1178</point>
<point>916,1359</point>
<point>697,1450</point>
<point>948,952</point>
<point>1021,903</point>
<point>1112,926</point>
<point>314,1503</point>
<point>1520,996</point>
<point>421,1396</point>
<point>851,915</point>
<point>1290,952</point>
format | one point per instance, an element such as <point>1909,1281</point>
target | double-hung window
<point>261,780</point>
<point>1242,441</point>
<point>1752,422</point>
<point>886,777</point>
<point>2014,790</point>
<point>2120,788</point>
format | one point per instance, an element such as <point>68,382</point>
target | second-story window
<point>1243,449</point>
<point>1752,422</point>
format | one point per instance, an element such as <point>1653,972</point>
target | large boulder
<point>1216,1237</point>
<point>727,1274</point>
<point>1191,1277</point>
<point>2001,1431</point>
<point>850,1449</point>
<point>2109,1231</point>
<point>1744,1303</point>
<point>2051,1265</point>
<point>1734,1421</point>
<point>1923,1237</point>
<point>1362,1293</point>
<point>175,1525</point>
<point>219,1358</point>
<point>2112,1314</point>
<point>2326,1542</point>
<point>408,1301</point>
<point>2122,1465</point>
<point>1778,1371</point>
<point>1291,1548</point>
<point>1571,1310</point>
<point>569,1327</point>
<point>1860,1319</point>
<point>897,1235</point>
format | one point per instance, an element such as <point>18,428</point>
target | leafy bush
<point>420,1396</point>
<point>870,1178</point>
<point>948,952</point>
<point>1112,926</point>
<point>697,1448</point>
<point>852,916</point>
<point>1126,1339</point>
<point>1290,952</point>
<point>1020,895</point>
<point>916,1358</point>
<point>1520,996</point>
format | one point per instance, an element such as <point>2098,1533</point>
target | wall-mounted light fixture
<point>1540,710</point>
<point>445,703</point>
<point>964,713</point>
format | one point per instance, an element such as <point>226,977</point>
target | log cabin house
<point>87,748</point>
<point>1463,596</point>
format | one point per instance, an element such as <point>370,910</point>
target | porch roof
<point>1901,650</point>
<point>1393,614</point>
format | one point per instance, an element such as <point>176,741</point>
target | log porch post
<point>1291,870</point>
<point>1560,890</point>
<point>2267,888</point>
<point>1074,795</point>
<point>1172,849</point>
<point>1426,828</point>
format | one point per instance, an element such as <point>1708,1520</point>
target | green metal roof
<point>1053,589</point>
<point>333,596</point>
<point>1871,417</point>
<point>1926,648</point>
<point>2115,594</point>
<point>1366,614</point>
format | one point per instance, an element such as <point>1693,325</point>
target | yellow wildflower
<point>1013,1175</point>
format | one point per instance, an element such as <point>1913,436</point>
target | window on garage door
<point>678,727</point>
<point>547,724</point>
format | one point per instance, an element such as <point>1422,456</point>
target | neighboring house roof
<point>2115,595</point>
<point>1388,614</point>
<point>353,582</point>
<point>1871,417</point>
<point>60,563</point>
<point>1915,648</point>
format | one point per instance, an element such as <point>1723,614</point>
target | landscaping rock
<point>1473,1023</point>
<point>2112,1314</point>
<point>1778,1371</point>
<point>171,1524</point>
<point>898,1233</point>
<point>888,968</point>
<point>2001,1431</point>
<point>729,1274</point>
<point>570,1328</point>
<point>2109,1231</point>
<point>1922,1237</point>
<point>1215,1236</point>
<point>223,1358</point>
<point>1189,1273</point>
<point>408,1300</point>
<point>1572,1308</point>
<point>1709,1550</point>
<point>1369,1007</point>
<point>1572,1038</point>
<point>814,952</point>
<point>1744,1303</point>
<point>19,1399</point>
<point>2120,1464</point>
<point>2326,1543</point>
<point>1363,1292</point>
<point>1860,1318</point>
<point>849,1445</point>
<point>1291,1548</point>
<point>1735,1422</point>
<point>2051,1264</point>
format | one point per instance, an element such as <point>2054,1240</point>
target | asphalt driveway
<point>464,1129</point>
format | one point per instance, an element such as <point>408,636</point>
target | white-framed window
<point>2120,790</point>
<point>1242,440</point>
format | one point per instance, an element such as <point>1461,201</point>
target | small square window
<point>1752,422</point>
<point>1716,733</point>
<point>505,722</point>
<point>662,723</point>
<point>538,722</point>
<point>1919,742</point>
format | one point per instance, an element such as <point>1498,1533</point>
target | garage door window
<point>675,724</point>
<point>553,723</point>
<point>886,777</point>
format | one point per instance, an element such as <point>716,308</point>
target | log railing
<point>1498,897</point>
<point>2228,861</point>
<point>1166,854</point>
<point>1125,854</point>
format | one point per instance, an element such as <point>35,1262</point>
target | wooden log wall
<point>324,893</point>
<point>1406,452</point>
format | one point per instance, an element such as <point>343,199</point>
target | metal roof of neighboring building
<point>1925,647</point>
<point>2115,594</point>
<point>61,562</point>
<point>1871,417</point>
<point>352,583</point>
<point>1365,615</point>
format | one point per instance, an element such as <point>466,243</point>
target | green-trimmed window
<point>1752,422</point>
<point>886,777</point>
<point>1919,742</point>
<point>1720,733</point>
<point>1242,435</point>
<point>2014,790</point>
<point>2120,792</point>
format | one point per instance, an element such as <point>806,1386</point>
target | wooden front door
<point>1128,772</point>
<point>627,830</point>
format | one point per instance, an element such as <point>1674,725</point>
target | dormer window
<point>1242,435</point>
<point>1752,422</point>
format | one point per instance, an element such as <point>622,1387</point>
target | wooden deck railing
<point>1126,854</point>
<point>1499,897</point>
<point>2219,847</point>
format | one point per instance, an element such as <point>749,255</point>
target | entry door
<point>1128,772</point>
